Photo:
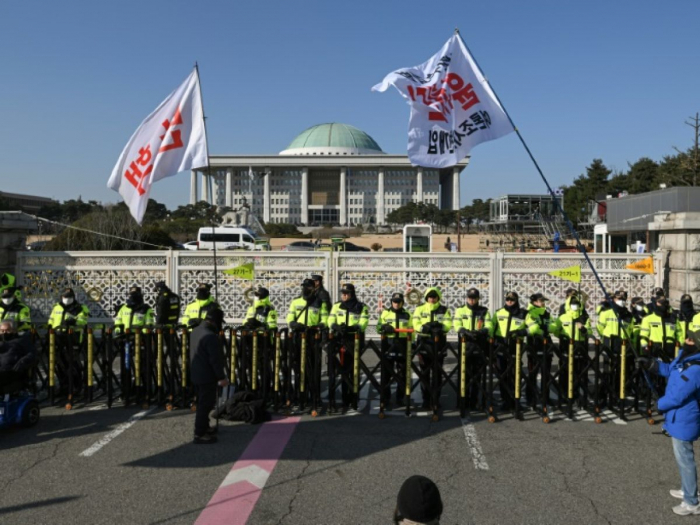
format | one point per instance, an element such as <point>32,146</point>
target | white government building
<point>330,173</point>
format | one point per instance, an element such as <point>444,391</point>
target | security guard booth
<point>417,238</point>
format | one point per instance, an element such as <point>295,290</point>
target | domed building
<point>329,174</point>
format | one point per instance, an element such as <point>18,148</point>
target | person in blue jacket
<point>681,407</point>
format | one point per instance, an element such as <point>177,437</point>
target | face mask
<point>574,308</point>
<point>639,308</point>
<point>203,295</point>
<point>67,301</point>
<point>619,303</point>
<point>8,301</point>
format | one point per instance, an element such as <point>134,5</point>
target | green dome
<point>333,139</point>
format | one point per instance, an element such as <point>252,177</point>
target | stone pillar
<point>455,188</point>
<point>193,187</point>
<point>205,188</point>
<point>343,196</point>
<point>679,240</point>
<point>305,195</point>
<point>381,215</point>
<point>419,184</point>
<point>229,187</point>
<point>215,188</point>
<point>266,196</point>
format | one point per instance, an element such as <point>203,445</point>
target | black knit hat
<point>419,500</point>
<point>261,292</point>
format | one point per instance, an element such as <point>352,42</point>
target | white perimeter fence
<point>101,280</point>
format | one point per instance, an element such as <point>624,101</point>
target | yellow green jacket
<point>17,312</point>
<point>564,326</point>
<point>263,312</point>
<point>129,318</point>
<point>396,319</point>
<point>197,310</point>
<point>308,313</point>
<point>429,313</point>
<point>76,311</point>
<point>654,329</point>
<point>358,316</point>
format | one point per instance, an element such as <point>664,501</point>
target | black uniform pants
<point>206,401</point>
<point>431,382</point>
<point>394,366</point>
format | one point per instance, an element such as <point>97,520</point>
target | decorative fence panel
<point>102,279</point>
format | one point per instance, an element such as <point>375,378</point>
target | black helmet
<point>262,293</point>
<point>473,293</point>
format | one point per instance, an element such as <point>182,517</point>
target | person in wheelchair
<point>17,357</point>
<point>472,323</point>
<point>394,347</point>
<point>432,320</point>
<point>68,314</point>
<point>509,326</point>
<point>348,317</point>
<point>574,325</point>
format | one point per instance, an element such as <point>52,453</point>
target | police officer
<point>167,306</point>
<point>508,327</point>
<point>472,323</point>
<point>321,293</point>
<point>12,309</point>
<point>197,309</point>
<point>7,280</point>
<point>660,330</point>
<point>305,312</point>
<point>655,294</point>
<point>68,313</point>
<point>615,325</point>
<point>135,313</point>
<point>434,320</point>
<point>570,292</point>
<point>394,347</point>
<point>261,315</point>
<point>538,322</point>
<point>573,326</point>
<point>348,317</point>
<point>686,315</point>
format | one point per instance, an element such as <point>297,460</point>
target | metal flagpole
<point>209,183</point>
<point>556,202</point>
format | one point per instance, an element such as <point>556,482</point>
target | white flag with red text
<point>172,139</point>
<point>452,106</point>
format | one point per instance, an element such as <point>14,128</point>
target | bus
<point>227,238</point>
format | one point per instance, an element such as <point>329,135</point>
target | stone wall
<point>679,237</point>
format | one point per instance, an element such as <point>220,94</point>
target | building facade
<point>329,174</point>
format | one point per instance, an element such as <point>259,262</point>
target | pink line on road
<point>235,499</point>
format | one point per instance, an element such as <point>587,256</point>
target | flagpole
<point>209,183</point>
<point>569,224</point>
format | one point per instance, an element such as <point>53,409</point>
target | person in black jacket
<point>17,354</point>
<point>206,371</point>
<point>322,295</point>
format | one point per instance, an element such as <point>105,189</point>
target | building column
<point>419,184</point>
<point>380,198</point>
<point>215,188</point>
<point>205,188</point>
<point>305,195</point>
<point>193,187</point>
<point>455,188</point>
<point>343,196</point>
<point>229,187</point>
<point>266,195</point>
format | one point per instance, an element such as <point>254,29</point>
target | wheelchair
<point>18,406</point>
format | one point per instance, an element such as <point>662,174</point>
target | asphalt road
<point>338,469</point>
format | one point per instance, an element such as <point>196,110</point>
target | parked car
<point>350,247</point>
<point>298,246</point>
<point>37,246</point>
<point>191,245</point>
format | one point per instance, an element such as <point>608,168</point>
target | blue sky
<point>581,80</point>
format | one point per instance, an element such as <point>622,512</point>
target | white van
<point>227,238</point>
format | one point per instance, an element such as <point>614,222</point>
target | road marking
<point>114,433</point>
<point>236,497</point>
<point>612,417</point>
<point>474,446</point>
